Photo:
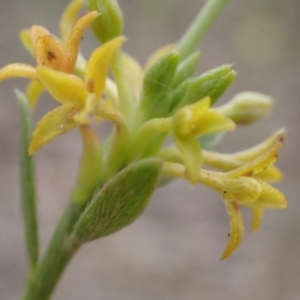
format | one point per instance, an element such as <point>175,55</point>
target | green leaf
<point>110,22</point>
<point>120,201</point>
<point>28,181</point>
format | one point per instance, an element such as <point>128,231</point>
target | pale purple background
<point>173,250</point>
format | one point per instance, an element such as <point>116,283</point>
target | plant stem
<point>203,21</point>
<point>60,251</point>
<point>28,183</point>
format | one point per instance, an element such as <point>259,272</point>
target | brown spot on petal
<point>90,85</point>
<point>249,173</point>
<point>50,56</point>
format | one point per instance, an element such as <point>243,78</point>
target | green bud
<point>212,83</point>
<point>176,96</point>
<point>247,107</point>
<point>119,202</point>
<point>186,69</point>
<point>157,81</point>
<point>110,22</point>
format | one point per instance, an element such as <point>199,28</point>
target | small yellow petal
<point>157,55</point>
<point>261,162</point>
<point>36,31</point>
<point>255,151</point>
<point>17,70</point>
<point>34,91</point>
<point>76,36</point>
<point>185,118</point>
<point>270,197</point>
<point>25,37</point>
<point>257,216</point>
<point>50,53</point>
<point>212,122</point>
<point>236,228</point>
<point>243,190</point>
<point>108,111</point>
<point>56,122</point>
<point>98,65</point>
<point>68,19</point>
<point>271,174</point>
<point>65,88</point>
<point>191,154</point>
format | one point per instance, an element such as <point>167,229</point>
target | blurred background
<point>173,250</point>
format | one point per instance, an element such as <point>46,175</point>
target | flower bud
<point>212,83</point>
<point>110,22</point>
<point>247,107</point>
<point>157,81</point>
<point>186,69</point>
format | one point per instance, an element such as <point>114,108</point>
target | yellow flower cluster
<point>86,93</point>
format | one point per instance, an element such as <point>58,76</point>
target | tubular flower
<point>146,105</point>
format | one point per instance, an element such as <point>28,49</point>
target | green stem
<point>125,97</point>
<point>28,183</point>
<point>60,251</point>
<point>199,27</point>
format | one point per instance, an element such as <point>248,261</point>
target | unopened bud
<point>210,84</point>
<point>247,107</point>
<point>109,24</point>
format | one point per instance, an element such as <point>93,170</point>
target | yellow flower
<point>80,99</point>
<point>49,51</point>
<point>187,123</point>
<point>240,187</point>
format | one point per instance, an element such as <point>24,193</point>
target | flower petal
<point>34,91</point>
<point>270,197</point>
<point>236,228</point>
<point>65,88</point>
<point>212,122</point>
<point>257,216</point>
<point>98,65</point>
<point>185,118</point>
<point>56,122</point>
<point>270,174</point>
<point>257,165</point>
<point>17,70</point>
<point>25,37</point>
<point>50,53</point>
<point>76,36</point>
<point>36,31</point>
<point>242,190</point>
<point>191,154</point>
<point>68,19</point>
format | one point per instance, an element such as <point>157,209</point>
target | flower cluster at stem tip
<point>146,106</point>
